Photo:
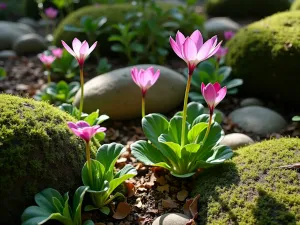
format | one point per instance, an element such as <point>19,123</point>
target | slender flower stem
<point>187,90</point>
<point>49,76</point>
<point>208,128</point>
<point>88,160</point>
<point>81,96</point>
<point>143,106</point>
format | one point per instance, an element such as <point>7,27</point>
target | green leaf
<point>194,109</point>
<point>77,203</point>
<point>127,169</point>
<point>88,208</point>
<point>91,118</point>
<point>105,210</point>
<point>88,222</point>
<point>98,175</point>
<point>2,73</point>
<point>182,175</point>
<point>101,119</point>
<point>234,83</point>
<point>107,155</point>
<point>196,97</point>
<point>72,110</point>
<point>192,148</point>
<point>58,205</point>
<point>44,199</point>
<point>225,71</point>
<point>220,154</point>
<point>167,140</point>
<point>100,136</point>
<point>72,28</point>
<point>117,48</point>
<point>148,154</point>
<point>175,129</point>
<point>296,118</point>
<point>194,133</point>
<point>113,184</point>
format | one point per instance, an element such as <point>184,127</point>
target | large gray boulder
<point>218,25</point>
<point>116,95</point>
<point>10,32</point>
<point>29,44</point>
<point>258,119</point>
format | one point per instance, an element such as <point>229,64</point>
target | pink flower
<point>144,78</point>
<point>83,130</point>
<point>3,5</point>
<point>228,35</point>
<point>80,50</point>
<point>47,60</point>
<point>192,50</point>
<point>221,52</point>
<point>213,94</point>
<point>57,52</point>
<point>51,13</point>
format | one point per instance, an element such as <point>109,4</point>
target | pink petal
<point>68,48</point>
<point>101,129</point>
<point>72,125</point>
<point>91,48</point>
<point>220,95</point>
<point>197,39</point>
<point>134,74</point>
<point>209,94</point>
<point>180,38</point>
<point>155,77</point>
<point>202,88</point>
<point>176,48</point>
<point>76,44</point>
<point>82,124</point>
<point>205,49</point>
<point>84,48</point>
<point>217,86</point>
<point>215,50</point>
<point>189,50</point>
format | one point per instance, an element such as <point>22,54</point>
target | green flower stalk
<point>80,51</point>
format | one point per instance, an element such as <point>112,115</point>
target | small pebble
<point>171,219</point>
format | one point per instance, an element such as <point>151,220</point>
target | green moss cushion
<point>37,151</point>
<point>114,13</point>
<point>266,55</point>
<point>250,189</point>
<point>295,5</point>
<point>245,8</point>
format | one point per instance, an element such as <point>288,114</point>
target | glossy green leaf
<point>98,175</point>
<point>71,109</point>
<point>195,132</point>
<point>194,109</point>
<point>108,154</point>
<point>88,222</point>
<point>167,140</point>
<point>91,118</point>
<point>225,71</point>
<point>192,148</point>
<point>220,154</point>
<point>44,199</point>
<point>196,97</point>
<point>182,175</point>
<point>2,73</point>
<point>127,169</point>
<point>105,210</point>
<point>234,83</point>
<point>175,129</point>
<point>296,118</point>
<point>77,203</point>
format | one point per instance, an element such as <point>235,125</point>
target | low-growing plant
<point>296,118</point>
<point>53,206</point>
<point>210,72</point>
<point>58,93</point>
<point>103,66</point>
<point>2,73</point>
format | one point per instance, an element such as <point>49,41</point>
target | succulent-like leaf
<point>194,109</point>
<point>98,176</point>
<point>127,169</point>
<point>194,133</point>
<point>77,204</point>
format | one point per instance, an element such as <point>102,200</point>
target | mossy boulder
<point>266,56</point>
<point>37,151</point>
<point>295,5</point>
<point>115,13</point>
<point>245,8</point>
<point>251,189</point>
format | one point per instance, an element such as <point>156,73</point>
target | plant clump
<point>266,54</point>
<point>295,5</point>
<point>253,188</point>
<point>242,9</point>
<point>37,151</point>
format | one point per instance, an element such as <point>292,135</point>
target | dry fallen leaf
<point>182,195</point>
<point>130,189</point>
<point>161,180</point>
<point>190,207</point>
<point>139,203</point>
<point>123,210</point>
<point>165,188</point>
<point>169,204</point>
<point>150,183</point>
<point>292,166</point>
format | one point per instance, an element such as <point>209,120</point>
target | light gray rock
<point>5,54</point>
<point>116,95</point>
<point>29,43</point>
<point>217,26</point>
<point>236,140</point>
<point>28,21</point>
<point>171,219</point>
<point>10,32</point>
<point>251,101</point>
<point>257,119</point>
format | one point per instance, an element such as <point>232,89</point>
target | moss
<point>250,189</point>
<point>266,56</point>
<point>245,8</point>
<point>37,151</point>
<point>295,5</point>
<point>114,13</point>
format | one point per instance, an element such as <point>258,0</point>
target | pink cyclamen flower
<point>80,51</point>
<point>47,60</point>
<point>213,94</point>
<point>192,49</point>
<point>57,52</point>
<point>228,35</point>
<point>3,5</point>
<point>221,52</point>
<point>83,130</point>
<point>144,78</point>
<point>51,13</point>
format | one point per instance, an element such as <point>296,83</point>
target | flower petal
<point>72,125</point>
<point>189,50</point>
<point>217,86</point>
<point>76,44</point>
<point>68,48</point>
<point>91,48</point>
<point>220,95</point>
<point>180,38</point>
<point>197,39</point>
<point>205,49</point>
<point>209,95</point>
<point>215,50</point>
<point>177,49</point>
<point>82,124</point>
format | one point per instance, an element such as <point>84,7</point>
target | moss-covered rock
<point>266,56</point>
<point>245,8</point>
<point>251,189</point>
<point>295,5</point>
<point>114,13</point>
<point>37,151</point>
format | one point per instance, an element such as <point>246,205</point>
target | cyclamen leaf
<point>192,148</point>
<point>127,169</point>
<point>77,203</point>
<point>220,154</point>
<point>182,175</point>
<point>174,146</point>
<point>88,222</point>
<point>44,199</point>
<point>175,129</point>
<point>105,210</point>
<point>98,173</point>
<point>116,182</point>
<point>91,118</point>
<point>194,133</point>
<point>194,109</point>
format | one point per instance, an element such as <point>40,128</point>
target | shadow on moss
<point>268,207</point>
